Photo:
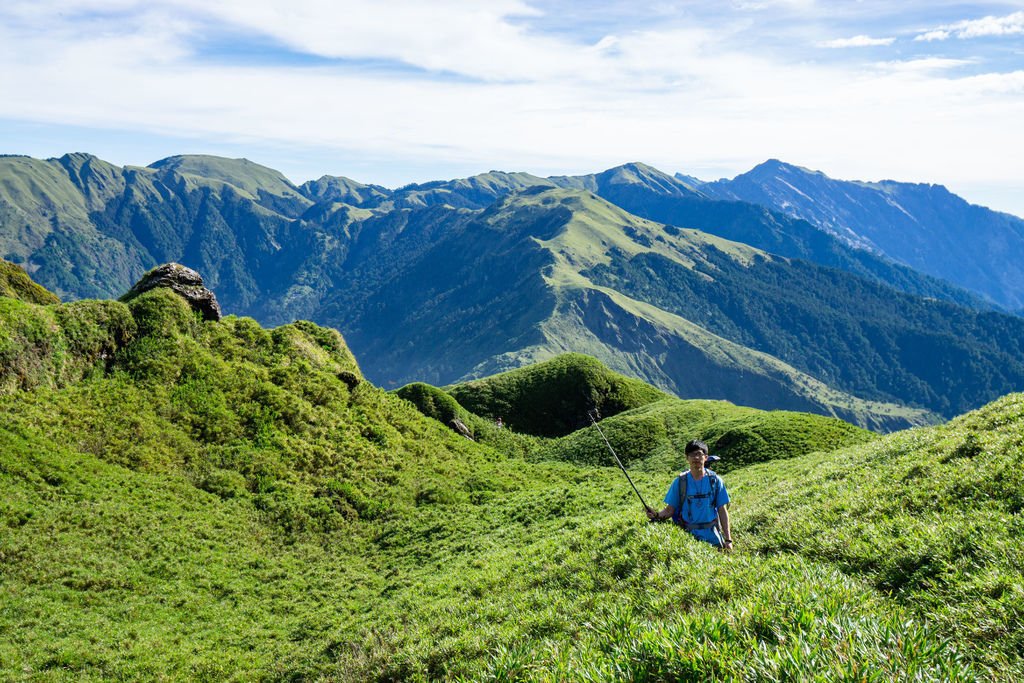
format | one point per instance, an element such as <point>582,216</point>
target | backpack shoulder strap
<point>682,492</point>
<point>716,485</point>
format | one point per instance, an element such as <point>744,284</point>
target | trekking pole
<point>592,414</point>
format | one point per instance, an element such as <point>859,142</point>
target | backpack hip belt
<point>696,527</point>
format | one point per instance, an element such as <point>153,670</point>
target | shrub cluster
<point>553,398</point>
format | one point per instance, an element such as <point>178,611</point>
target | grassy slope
<point>930,516</point>
<point>16,284</point>
<point>868,563</point>
<point>45,221</point>
<point>883,334</point>
<point>216,504</point>
<point>172,499</point>
<point>247,178</point>
<point>30,192</point>
<point>439,405</point>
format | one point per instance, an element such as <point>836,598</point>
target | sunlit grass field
<point>187,500</point>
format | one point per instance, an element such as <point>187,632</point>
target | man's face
<point>697,456</point>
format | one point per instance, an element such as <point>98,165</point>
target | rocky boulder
<point>184,282</point>
<point>459,426</point>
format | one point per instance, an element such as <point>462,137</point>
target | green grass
<point>214,502</point>
<point>652,437</point>
<point>245,177</point>
<point>439,405</point>
<point>930,517</point>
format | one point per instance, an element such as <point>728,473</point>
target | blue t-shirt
<point>699,506</point>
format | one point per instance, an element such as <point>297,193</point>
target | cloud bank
<point>515,85</point>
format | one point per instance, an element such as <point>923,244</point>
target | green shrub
<point>57,345</point>
<point>163,314</point>
<point>224,483</point>
<point>553,398</point>
<point>432,402</point>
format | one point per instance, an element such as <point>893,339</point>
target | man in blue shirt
<point>697,501</point>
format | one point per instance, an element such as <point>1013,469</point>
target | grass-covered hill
<point>16,284</point>
<point>211,500</point>
<point>645,427</point>
<point>554,398</point>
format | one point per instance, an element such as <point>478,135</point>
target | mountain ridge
<point>919,224</point>
<point>392,273</point>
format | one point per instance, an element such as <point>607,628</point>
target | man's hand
<point>652,515</point>
<point>727,546</point>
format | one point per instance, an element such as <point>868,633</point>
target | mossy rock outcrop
<point>184,282</point>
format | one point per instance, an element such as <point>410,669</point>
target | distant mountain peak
<point>635,169</point>
<point>247,177</point>
<point>641,174</point>
<point>342,189</point>
<point>209,165</point>
<point>638,166</point>
<point>921,225</point>
<point>773,167</point>
<point>78,158</point>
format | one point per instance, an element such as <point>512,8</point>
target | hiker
<point>703,510</point>
<point>499,423</point>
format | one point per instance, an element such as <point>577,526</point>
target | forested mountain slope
<point>689,206</point>
<point>679,307</point>
<point>447,281</point>
<point>513,282</point>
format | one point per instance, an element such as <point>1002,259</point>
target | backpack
<point>716,486</point>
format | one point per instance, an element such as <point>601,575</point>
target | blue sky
<point>396,92</point>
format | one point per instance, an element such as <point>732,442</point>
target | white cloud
<point>759,5</point>
<point>924,64</point>
<point>1011,24</point>
<point>856,41</point>
<point>937,34</point>
<point>465,37</point>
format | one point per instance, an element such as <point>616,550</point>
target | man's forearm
<point>723,517</point>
